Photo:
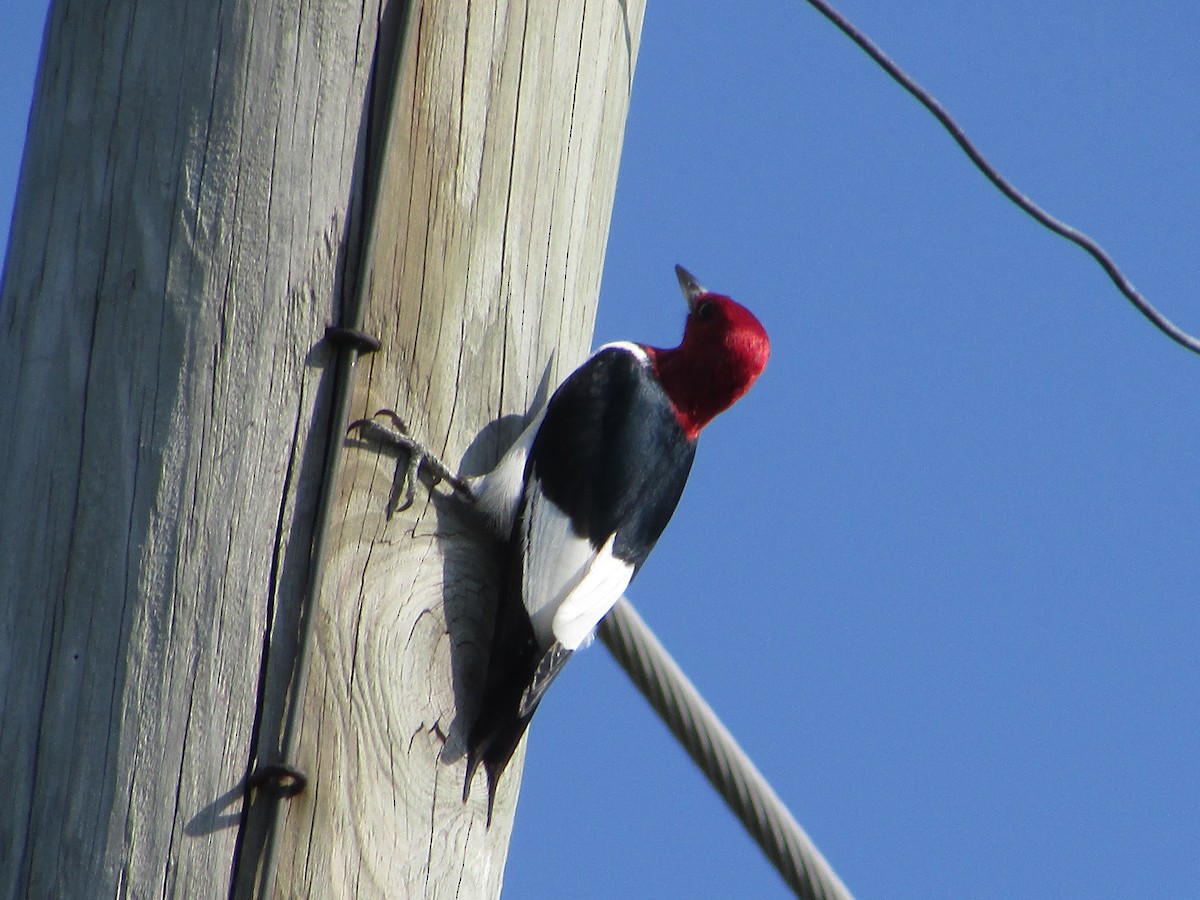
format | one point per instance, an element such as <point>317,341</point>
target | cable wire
<point>1040,215</point>
<point>719,756</point>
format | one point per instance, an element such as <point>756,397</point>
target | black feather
<point>514,659</point>
<point>611,454</point>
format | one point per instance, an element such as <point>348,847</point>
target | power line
<point>719,756</point>
<point>1040,215</point>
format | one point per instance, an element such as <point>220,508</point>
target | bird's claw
<point>396,435</point>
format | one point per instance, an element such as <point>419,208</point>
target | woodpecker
<point>584,494</point>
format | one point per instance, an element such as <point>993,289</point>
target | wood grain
<point>189,206</point>
<point>483,285</point>
<point>180,229</point>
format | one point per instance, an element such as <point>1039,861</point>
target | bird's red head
<point>724,349</point>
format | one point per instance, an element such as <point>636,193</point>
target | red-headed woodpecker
<point>585,493</point>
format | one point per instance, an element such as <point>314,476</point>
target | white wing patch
<point>604,581</point>
<point>569,585</point>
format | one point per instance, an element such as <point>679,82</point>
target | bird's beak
<point>692,289</point>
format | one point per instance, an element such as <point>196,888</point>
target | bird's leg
<point>396,436</point>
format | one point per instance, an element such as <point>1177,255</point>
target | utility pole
<point>204,188</point>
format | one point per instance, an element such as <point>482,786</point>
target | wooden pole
<point>189,207</point>
<point>496,196</point>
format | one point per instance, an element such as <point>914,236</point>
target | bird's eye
<point>706,311</point>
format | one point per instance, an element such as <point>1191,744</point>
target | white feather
<point>569,585</point>
<point>603,582</point>
<point>629,347</point>
<point>555,558</point>
<point>498,493</point>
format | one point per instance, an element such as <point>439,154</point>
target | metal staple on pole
<point>348,341</point>
<point>719,756</point>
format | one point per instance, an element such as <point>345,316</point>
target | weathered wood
<point>186,212</point>
<point>182,220</point>
<point>497,195</point>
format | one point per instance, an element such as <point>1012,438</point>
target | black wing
<point>612,456</point>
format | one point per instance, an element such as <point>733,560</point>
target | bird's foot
<point>396,436</point>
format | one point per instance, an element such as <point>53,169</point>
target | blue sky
<point>938,570</point>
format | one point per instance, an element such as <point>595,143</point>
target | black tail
<point>494,749</point>
<point>511,698</point>
<point>502,721</point>
<point>519,671</point>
